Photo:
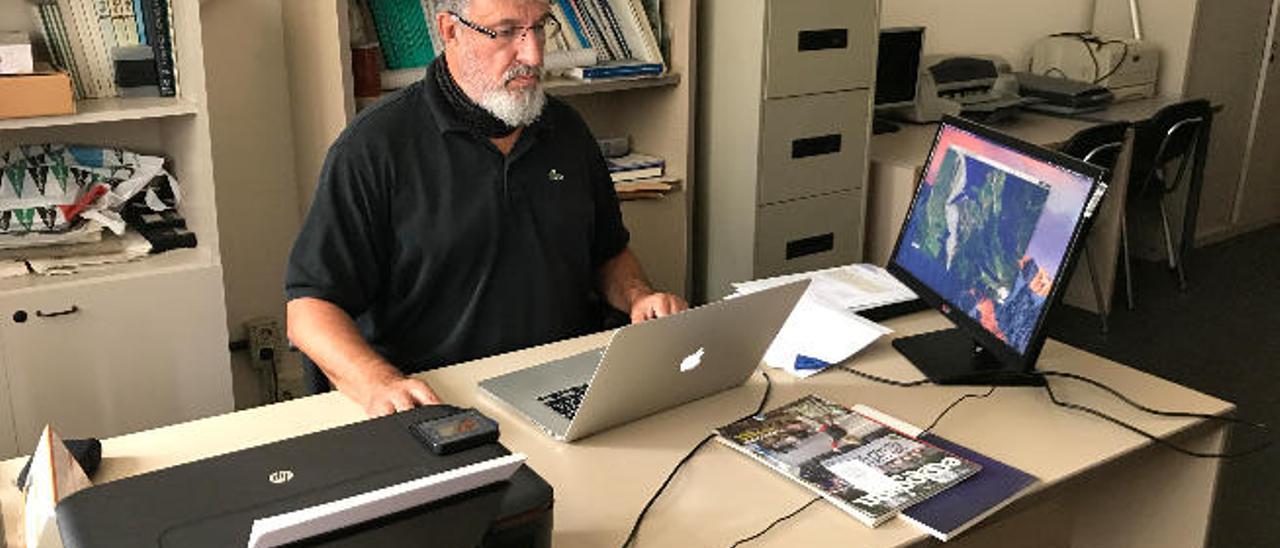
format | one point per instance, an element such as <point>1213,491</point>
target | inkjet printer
<point>983,86</point>
<point>214,502</point>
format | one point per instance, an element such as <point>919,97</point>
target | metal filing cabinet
<point>784,112</point>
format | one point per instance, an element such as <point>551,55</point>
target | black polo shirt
<point>443,249</point>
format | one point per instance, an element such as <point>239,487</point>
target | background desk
<point>897,158</point>
<point>1101,485</point>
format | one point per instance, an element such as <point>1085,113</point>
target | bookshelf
<point>657,113</point>
<point>141,344</point>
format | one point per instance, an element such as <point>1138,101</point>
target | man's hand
<point>399,394</point>
<point>656,305</point>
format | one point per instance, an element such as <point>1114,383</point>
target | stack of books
<point>621,32</point>
<point>638,176</point>
<point>112,48</point>
<point>598,39</point>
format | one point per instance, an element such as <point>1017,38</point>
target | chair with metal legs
<point>1100,146</point>
<point>1176,134</point>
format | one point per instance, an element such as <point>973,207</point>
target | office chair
<point>313,379</point>
<point>1176,133</point>
<point>1100,146</point>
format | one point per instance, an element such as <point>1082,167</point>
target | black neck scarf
<point>474,116</point>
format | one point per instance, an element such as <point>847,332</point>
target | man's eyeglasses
<point>548,27</point>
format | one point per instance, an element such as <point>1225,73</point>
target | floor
<point>1221,337</point>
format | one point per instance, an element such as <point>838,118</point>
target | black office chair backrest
<point>1098,145</point>
<point>1172,133</point>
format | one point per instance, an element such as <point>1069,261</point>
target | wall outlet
<point>266,341</point>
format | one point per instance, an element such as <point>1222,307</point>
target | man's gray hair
<point>455,6</point>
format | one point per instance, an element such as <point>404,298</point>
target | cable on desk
<point>1153,411</point>
<point>1198,454</point>
<point>768,387</point>
<point>1124,57</point>
<point>953,404</point>
<point>635,527</point>
<point>883,380</point>
<point>775,522</point>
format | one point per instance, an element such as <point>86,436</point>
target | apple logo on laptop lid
<point>692,361</point>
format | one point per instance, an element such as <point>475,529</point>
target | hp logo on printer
<point>280,476</point>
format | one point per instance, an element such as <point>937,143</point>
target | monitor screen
<point>897,66</point>
<point>990,237</point>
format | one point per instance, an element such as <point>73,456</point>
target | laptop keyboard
<point>565,401</point>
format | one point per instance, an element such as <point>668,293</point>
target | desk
<point>1101,485</point>
<point>897,158</point>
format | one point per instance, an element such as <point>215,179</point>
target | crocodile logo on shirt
<point>555,176</point>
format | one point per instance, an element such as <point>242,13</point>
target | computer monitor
<point>989,240</point>
<point>897,66</point>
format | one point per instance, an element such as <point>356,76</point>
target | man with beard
<point>464,216</point>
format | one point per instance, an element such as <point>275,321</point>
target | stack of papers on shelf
<point>133,247</point>
<point>643,189</point>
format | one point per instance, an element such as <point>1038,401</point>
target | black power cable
<point>953,404</point>
<point>883,380</point>
<point>1119,63</point>
<point>635,527</point>
<point>775,522</point>
<point>1157,439</point>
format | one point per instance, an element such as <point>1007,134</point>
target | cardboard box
<point>15,53</point>
<point>39,94</point>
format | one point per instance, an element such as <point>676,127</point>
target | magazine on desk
<point>863,467</point>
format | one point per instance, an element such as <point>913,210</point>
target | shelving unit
<point>657,113</point>
<point>93,111</point>
<point>144,343</point>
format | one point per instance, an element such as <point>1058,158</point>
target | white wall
<point>1002,27</point>
<point>16,16</point>
<point>250,121</point>
<point>1009,27</point>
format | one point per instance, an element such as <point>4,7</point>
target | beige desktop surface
<point>603,481</point>
<point>909,146</point>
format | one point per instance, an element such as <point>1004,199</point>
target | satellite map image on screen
<point>971,227</point>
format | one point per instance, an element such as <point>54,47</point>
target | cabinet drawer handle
<point>69,311</point>
<point>824,39</point>
<point>815,146</point>
<point>811,245</point>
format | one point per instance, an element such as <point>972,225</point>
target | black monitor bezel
<point>1022,362</point>
<point>915,82</point>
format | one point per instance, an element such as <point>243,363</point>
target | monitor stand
<point>950,356</point>
<point>880,126</point>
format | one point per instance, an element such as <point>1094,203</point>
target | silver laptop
<point>649,366</point>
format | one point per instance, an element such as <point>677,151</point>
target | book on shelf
<point>955,510</point>
<point>636,31</point>
<point>404,32</point>
<point>158,18</point>
<point>858,464</point>
<point>93,39</point>
<point>634,166</point>
<point>620,30</point>
<point>574,36</point>
<point>611,70</point>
